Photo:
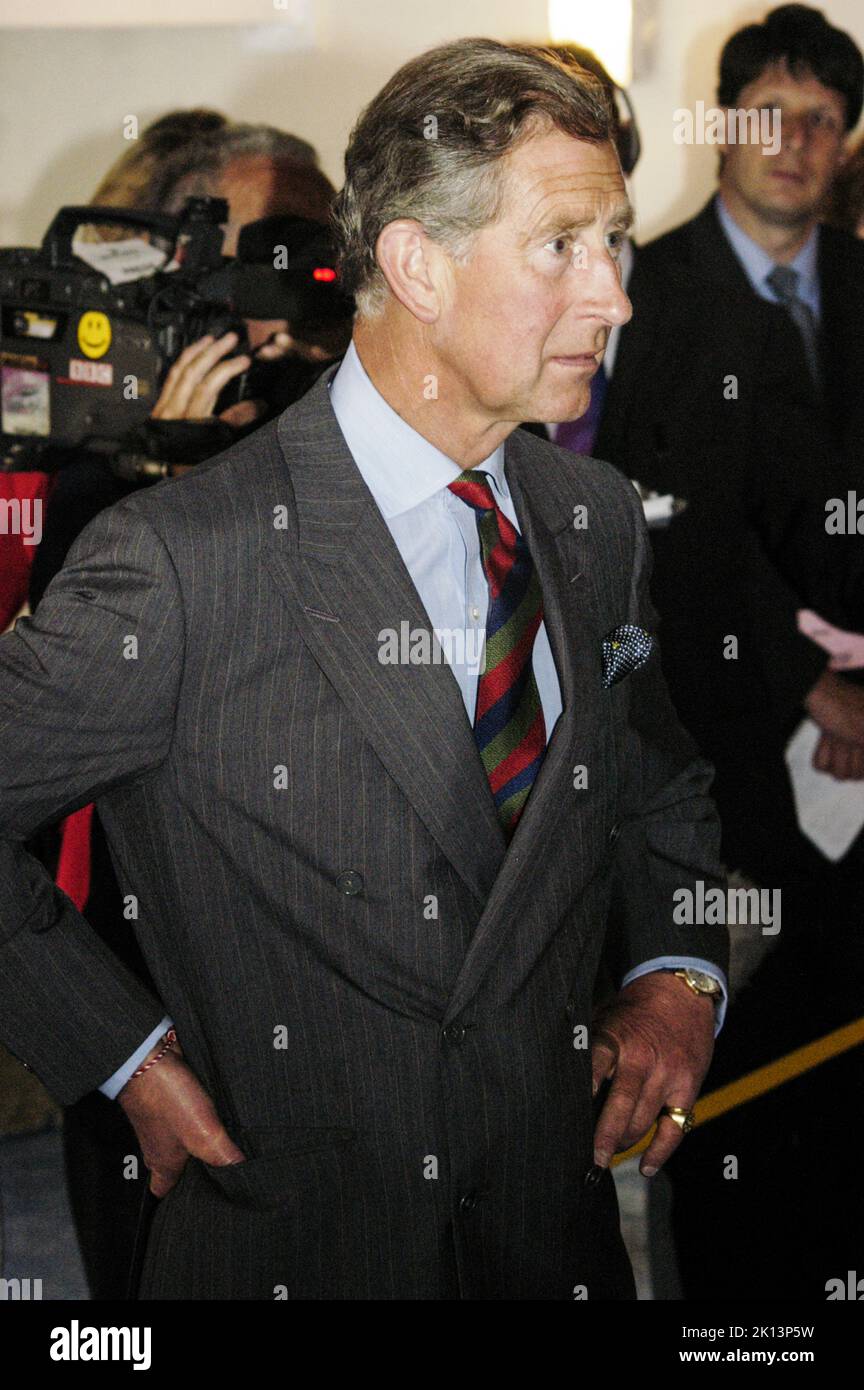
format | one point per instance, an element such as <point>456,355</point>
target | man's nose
<point>606,296</point>
<point>794,130</point>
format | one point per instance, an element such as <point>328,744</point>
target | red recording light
<point>323,272</point>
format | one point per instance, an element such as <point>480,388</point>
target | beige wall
<point>306,65</point>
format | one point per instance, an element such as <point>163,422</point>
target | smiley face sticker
<point>94,333</point>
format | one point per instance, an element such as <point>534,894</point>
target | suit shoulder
<point>666,277</point>
<point>580,477</point>
<point>673,247</point>
<point>206,500</point>
<point>841,249</point>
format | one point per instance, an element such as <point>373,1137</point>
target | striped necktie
<point>784,282</point>
<point>508,721</point>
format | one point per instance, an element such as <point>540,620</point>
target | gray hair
<point>429,145</point>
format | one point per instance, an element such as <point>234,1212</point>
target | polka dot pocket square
<point>625,649</point>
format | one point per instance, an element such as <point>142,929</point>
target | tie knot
<point>784,282</point>
<point>474,489</point>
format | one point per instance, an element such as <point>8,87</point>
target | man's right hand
<point>837,706</point>
<point>174,1117</point>
<point>844,761</point>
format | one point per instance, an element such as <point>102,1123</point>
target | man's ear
<point>411,264</point>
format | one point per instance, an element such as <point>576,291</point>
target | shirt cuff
<point>115,1083</point>
<point>683,963</point>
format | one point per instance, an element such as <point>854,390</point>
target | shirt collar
<point>400,467</point>
<point>758,264</point>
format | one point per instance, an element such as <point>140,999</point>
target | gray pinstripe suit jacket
<point>378,993</point>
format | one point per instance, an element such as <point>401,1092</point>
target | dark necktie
<point>508,719</point>
<point>784,282</point>
<point>579,435</point>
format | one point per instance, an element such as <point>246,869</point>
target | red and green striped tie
<point>508,718</point>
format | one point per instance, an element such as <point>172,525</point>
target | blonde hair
<point>134,180</point>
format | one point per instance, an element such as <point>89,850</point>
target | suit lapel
<point>712,257</point>
<point>349,585</point>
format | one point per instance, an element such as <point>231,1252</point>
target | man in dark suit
<point>372,900</point>
<point>735,390</point>
<point>713,399</point>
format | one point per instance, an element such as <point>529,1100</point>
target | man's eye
<point>822,120</point>
<point>615,241</point>
<point>559,244</point>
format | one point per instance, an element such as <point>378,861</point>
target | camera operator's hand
<point>195,381</point>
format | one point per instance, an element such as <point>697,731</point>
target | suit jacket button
<point>614,833</point>
<point>454,1033</point>
<point>350,883</point>
<point>468,1202</point>
<point>593,1175</point>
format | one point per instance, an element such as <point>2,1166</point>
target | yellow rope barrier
<point>766,1078</point>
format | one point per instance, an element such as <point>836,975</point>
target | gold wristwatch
<point>701,983</point>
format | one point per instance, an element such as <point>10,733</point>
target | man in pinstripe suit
<point>374,895</point>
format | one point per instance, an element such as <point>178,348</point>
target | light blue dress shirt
<point>757,264</point>
<point>436,534</point>
<point>116,1082</point>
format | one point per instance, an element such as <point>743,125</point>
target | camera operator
<point>261,172</point>
<point>133,181</point>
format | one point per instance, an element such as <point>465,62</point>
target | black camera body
<point>83,359</point>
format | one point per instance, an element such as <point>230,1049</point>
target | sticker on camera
<point>25,398</point>
<point>90,373</point>
<point>94,333</point>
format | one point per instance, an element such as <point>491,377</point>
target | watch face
<point>705,983</point>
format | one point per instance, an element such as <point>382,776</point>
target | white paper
<point>830,813</point>
<point>121,261</point>
<point>658,510</point>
